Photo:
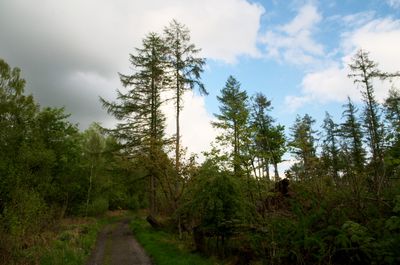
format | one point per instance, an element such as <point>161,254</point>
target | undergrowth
<point>165,248</point>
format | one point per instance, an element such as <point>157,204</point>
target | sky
<point>296,52</point>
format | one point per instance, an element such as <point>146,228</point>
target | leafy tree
<point>185,68</point>
<point>59,150</point>
<point>214,203</point>
<point>233,120</point>
<point>302,145</point>
<point>142,123</point>
<point>93,146</point>
<point>17,117</point>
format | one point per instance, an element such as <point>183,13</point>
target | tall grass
<point>73,246</point>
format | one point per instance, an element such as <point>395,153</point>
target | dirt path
<point>116,246</point>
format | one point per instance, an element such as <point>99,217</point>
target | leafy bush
<point>24,217</point>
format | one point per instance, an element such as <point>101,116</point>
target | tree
<point>364,72</point>
<point>185,68</point>
<point>17,118</point>
<point>351,135</point>
<point>330,147</point>
<point>392,114</point>
<point>214,204</point>
<point>268,139</point>
<point>142,123</point>
<point>353,152</point>
<point>233,120</point>
<point>302,145</point>
<point>93,147</point>
<point>59,150</point>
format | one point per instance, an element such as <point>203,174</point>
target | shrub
<point>97,207</point>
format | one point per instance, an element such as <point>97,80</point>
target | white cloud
<point>356,19</point>
<point>393,3</point>
<point>381,38</point>
<point>293,42</point>
<point>295,102</point>
<point>330,84</point>
<point>71,51</point>
<point>196,129</point>
<point>106,30</point>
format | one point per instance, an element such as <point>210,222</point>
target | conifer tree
<point>364,72</point>
<point>330,147</point>
<point>351,140</point>
<point>268,139</point>
<point>302,145</point>
<point>233,120</point>
<point>392,115</point>
<point>141,127</point>
<point>185,69</point>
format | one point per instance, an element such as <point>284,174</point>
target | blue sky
<point>296,52</point>
<point>279,78</point>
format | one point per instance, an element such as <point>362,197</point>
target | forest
<point>338,204</point>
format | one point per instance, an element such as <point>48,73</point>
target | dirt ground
<point>116,246</point>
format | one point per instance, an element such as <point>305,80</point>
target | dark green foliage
<point>392,111</point>
<point>138,109</point>
<point>364,71</point>
<point>269,141</point>
<point>330,148</point>
<point>215,201</point>
<point>302,145</point>
<point>233,120</point>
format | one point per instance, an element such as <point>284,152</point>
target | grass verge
<point>73,244</point>
<point>164,248</point>
<point>76,240</point>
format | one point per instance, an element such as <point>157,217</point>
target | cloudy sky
<point>294,51</point>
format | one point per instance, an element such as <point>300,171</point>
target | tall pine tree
<point>185,72</point>
<point>364,72</point>
<point>141,127</point>
<point>233,120</point>
<point>302,145</point>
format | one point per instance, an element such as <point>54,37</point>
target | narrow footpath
<point>116,245</point>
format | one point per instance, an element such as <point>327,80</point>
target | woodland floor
<point>116,246</point>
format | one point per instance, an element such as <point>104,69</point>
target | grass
<point>76,240</point>
<point>73,245</point>
<point>164,248</point>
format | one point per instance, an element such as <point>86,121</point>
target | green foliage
<point>96,207</point>
<point>165,248</point>
<point>233,120</point>
<point>269,143</point>
<point>24,217</point>
<point>302,145</point>
<point>215,201</point>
